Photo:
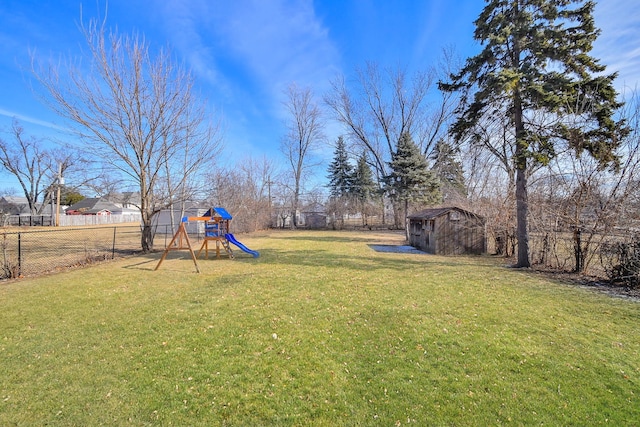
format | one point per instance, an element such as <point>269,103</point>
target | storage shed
<point>447,231</point>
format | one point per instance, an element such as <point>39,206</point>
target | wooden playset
<point>216,229</point>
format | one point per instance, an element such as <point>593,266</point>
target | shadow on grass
<point>149,261</point>
<point>328,239</point>
<point>399,259</point>
<point>372,261</point>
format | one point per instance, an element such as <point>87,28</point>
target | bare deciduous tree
<point>103,181</point>
<point>180,183</point>
<point>587,199</point>
<point>135,109</point>
<point>380,107</point>
<point>245,192</point>
<point>305,132</point>
<point>33,165</point>
<point>26,160</point>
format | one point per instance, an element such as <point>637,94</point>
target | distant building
<point>126,199</point>
<point>12,205</point>
<point>167,220</point>
<point>314,216</point>
<point>93,206</point>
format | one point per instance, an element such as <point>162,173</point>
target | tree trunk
<point>522,198</point>
<point>577,250</point>
<point>406,214</point>
<point>146,240</point>
<point>294,217</point>
<point>146,213</point>
<point>522,211</point>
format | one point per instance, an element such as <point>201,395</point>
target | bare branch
<point>305,132</point>
<point>137,111</point>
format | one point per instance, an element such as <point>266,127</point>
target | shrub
<point>622,262</point>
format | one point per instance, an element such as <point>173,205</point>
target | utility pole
<point>269,182</point>
<point>60,182</point>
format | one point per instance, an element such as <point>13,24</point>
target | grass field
<point>320,330</point>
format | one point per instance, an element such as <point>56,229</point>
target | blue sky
<point>245,52</point>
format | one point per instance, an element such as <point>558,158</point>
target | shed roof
<point>436,212</point>
<point>15,205</point>
<point>94,205</point>
<point>15,199</point>
<point>316,208</point>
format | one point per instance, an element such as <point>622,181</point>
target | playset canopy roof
<point>218,211</point>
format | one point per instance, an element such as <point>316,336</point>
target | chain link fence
<point>597,255</point>
<point>27,252</point>
<point>33,252</point>
<point>163,233</point>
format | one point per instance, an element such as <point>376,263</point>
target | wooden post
<point>180,234</point>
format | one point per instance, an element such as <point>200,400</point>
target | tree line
<point>530,133</point>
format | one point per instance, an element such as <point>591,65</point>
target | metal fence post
<point>113,248</point>
<point>19,254</point>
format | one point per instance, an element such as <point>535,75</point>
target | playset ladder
<point>219,241</point>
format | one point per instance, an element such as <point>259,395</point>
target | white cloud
<point>184,22</point>
<point>246,53</point>
<point>28,119</point>
<point>618,45</point>
<point>281,41</point>
<point>272,43</point>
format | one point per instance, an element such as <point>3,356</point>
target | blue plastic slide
<point>233,240</point>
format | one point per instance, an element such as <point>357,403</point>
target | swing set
<point>216,229</point>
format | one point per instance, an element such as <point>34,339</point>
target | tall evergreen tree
<point>364,188</point>
<point>449,170</point>
<point>410,179</point>
<point>535,63</point>
<point>340,171</point>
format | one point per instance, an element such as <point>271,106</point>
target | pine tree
<point>449,170</point>
<point>364,187</point>
<point>535,63</point>
<point>340,182</point>
<point>340,172</point>
<point>411,180</point>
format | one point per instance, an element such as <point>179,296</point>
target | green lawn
<point>320,330</point>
